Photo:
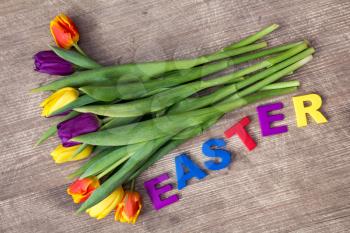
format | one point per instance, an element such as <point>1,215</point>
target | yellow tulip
<point>58,100</point>
<point>103,208</point>
<point>63,154</point>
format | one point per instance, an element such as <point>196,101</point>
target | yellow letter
<point>312,110</point>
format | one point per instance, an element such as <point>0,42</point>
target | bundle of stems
<point>148,109</point>
<point>145,71</point>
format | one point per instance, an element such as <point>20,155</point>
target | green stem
<point>280,85</point>
<point>140,71</point>
<point>257,86</point>
<point>80,61</point>
<point>276,76</point>
<point>185,64</point>
<point>98,155</point>
<point>253,38</point>
<point>172,96</point>
<point>135,163</point>
<point>263,53</point>
<point>106,120</point>
<point>113,166</point>
<point>76,46</point>
<point>143,89</point>
<point>269,62</point>
<point>171,145</point>
<point>117,179</point>
<point>196,103</point>
<point>118,122</point>
<point>132,185</point>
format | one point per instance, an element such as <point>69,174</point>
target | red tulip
<point>81,189</point>
<point>64,31</point>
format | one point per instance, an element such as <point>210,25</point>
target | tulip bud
<point>81,124</point>
<point>64,31</point>
<point>58,100</point>
<point>63,154</point>
<point>103,208</point>
<point>81,189</point>
<point>129,209</point>
<point>48,62</point>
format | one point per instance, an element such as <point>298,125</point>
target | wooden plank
<point>298,181</point>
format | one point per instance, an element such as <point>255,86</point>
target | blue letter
<point>183,162</point>
<point>209,151</point>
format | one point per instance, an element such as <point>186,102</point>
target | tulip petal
<point>81,189</point>
<point>103,208</point>
<point>81,124</point>
<point>129,209</point>
<point>64,31</point>
<point>50,63</point>
<point>58,100</point>
<point>63,154</point>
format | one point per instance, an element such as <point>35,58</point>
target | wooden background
<point>294,182</point>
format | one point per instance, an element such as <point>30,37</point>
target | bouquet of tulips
<point>126,117</point>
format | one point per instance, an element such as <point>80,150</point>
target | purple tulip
<point>48,62</point>
<point>81,124</point>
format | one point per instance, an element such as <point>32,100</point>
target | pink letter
<point>266,119</point>
<point>154,192</point>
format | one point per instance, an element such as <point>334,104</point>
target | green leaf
<point>253,38</point>
<point>177,140</point>
<point>174,95</point>
<point>171,145</point>
<point>131,165</point>
<point>279,85</point>
<point>141,156</point>
<point>156,102</point>
<point>115,122</point>
<point>47,134</point>
<point>101,153</point>
<point>75,58</point>
<point>143,89</point>
<point>145,130</point>
<point>140,71</point>
<point>200,102</point>
<point>111,158</point>
<point>139,89</point>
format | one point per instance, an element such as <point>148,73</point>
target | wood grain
<point>294,182</point>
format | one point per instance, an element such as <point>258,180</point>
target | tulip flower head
<point>81,124</point>
<point>58,100</point>
<point>129,209</point>
<point>64,31</point>
<point>103,208</point>
<point>48,62</point>
<point>81,189</point>
<point>64,154</point>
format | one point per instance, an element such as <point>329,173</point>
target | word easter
<point>186,169</point>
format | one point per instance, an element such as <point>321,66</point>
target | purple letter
<point>154,192</point>
<point>266,119</point>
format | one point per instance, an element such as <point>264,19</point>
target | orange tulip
<point>81,189</point>
<point>129,209</point>
<point>64,31</point>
